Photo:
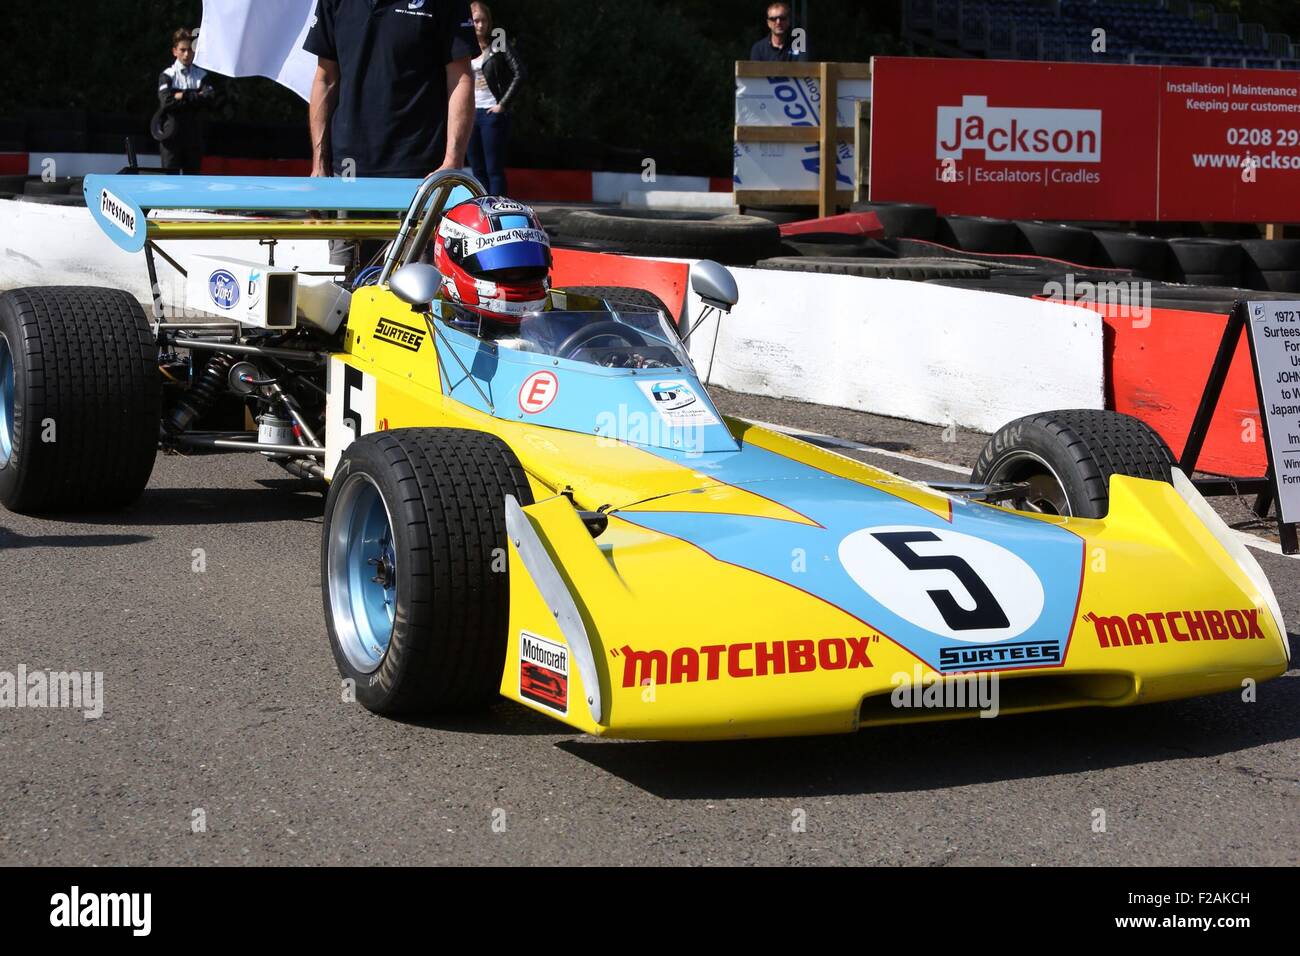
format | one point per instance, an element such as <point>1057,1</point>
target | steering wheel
<point>599,330</point>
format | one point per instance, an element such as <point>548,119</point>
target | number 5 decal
<point>987,612</point>
<point>948,583</point>
<point>349,409</point>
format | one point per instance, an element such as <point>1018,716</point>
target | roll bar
<point>438,186</point>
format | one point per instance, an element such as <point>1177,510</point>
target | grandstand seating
<point>1157,32</point>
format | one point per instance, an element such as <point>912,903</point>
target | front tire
<point>413,568</point>
<point>1065,460</point>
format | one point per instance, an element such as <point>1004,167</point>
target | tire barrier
<point>834,245</point>
<point>980,234</point>
<point>1210,262</point>
<point>1272,264</point>
<point>1053,240</point>
<point>914,270</point>
<point>903,220</point>
<point>1148,257</point>
<point>731,240</point>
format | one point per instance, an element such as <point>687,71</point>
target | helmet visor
<point>521,260</point>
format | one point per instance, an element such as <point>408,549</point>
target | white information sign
<point>1275,337</point>
<point>784,101</point>
<point>794,101</point>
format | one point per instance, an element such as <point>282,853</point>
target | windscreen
<point>609,339</point>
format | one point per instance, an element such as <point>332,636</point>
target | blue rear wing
<point>119,203</point>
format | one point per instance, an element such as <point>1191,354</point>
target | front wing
<point>641,635</point>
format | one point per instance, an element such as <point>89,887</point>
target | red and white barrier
<point>909,350</point>
<point>1157,369</point>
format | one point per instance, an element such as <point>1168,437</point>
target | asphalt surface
<point>225,739</point>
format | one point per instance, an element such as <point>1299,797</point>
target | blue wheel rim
<point>362,574</point>
<point>6,402</point>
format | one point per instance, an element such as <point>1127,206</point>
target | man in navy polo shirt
<point>394,91</point>
<point>778,46</point>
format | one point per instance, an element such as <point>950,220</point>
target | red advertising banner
<point>1229,145</point>
<point>1014,139</point>
<point>1028,140</point>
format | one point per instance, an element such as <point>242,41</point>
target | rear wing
<point>121,204</point>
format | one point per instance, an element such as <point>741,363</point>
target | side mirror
<point>416,284</point>
<point>715,284</point>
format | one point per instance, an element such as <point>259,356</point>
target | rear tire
<point>1067,459</point>
<point>81,396</point>
<point>413,574</point>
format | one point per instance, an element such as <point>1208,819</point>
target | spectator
<point>779,45</point>
<point>497,77</point>
<point>394,92</point>
<point>184,92</point>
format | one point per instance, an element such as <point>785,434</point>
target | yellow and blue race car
<point>564,517</point>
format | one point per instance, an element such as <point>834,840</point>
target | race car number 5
<point>948,583</point>
<point>538,392</point>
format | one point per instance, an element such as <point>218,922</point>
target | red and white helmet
<point>495,258</point>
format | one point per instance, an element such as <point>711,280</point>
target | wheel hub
<point>385,568</point>
<point>363,573</point>
<point>1042,492</point>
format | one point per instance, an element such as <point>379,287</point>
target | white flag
<point>259,38</point>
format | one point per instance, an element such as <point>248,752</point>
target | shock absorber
<point>201,395</point>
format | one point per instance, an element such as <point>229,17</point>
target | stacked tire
<point>903,220</point>
<point>1272,264</point>
<point>981,234</point>
<point>1208,262</point>
<point>1147,257</point>
<point>913,270</point>
<point>729,239</point>
<point>1052,240</point>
